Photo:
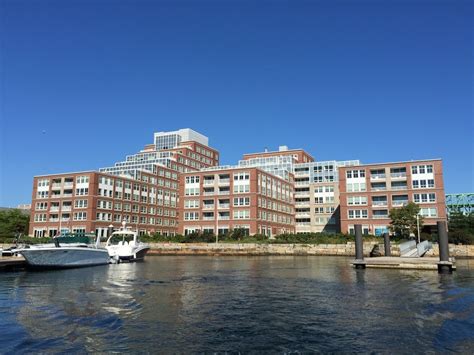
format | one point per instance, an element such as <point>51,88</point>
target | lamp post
<point>418,226</point>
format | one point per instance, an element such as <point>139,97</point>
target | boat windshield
<point>75,238</point>
<point>120,238</point>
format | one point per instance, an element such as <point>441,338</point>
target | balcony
<point>224,181</point>
<point>209,193</point>
<point>224,205</point>
<point>302,215</point>
<point>56,185</point>
<point>379,188</point>
<point>54,219</point>
<point>65,219</point>
<point>302,183</point>
<point>302,203</point>
<point>404,187</point>
<point>206,218</point>
<point>54,209</point>
<point>66,208</point>
<point>398,176</point>
<point>223,218</point>
<point>302,194</point>
<point>226,192</point>
<point>68,184</point>
<point>208,207</point>
<point>399,203</point>
<point>380,203</point>
<point>377,176</point>
<point>380,216</point>
<point>208,182</point>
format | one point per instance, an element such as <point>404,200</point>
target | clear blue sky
<point>84,83</point>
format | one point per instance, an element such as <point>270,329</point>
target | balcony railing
<point>399,187</point>
<point>302,194</point>
<point>209,193</point>
<point>302,215</point>
<point>224,205</point>
<point>54,219</point>
<point>399,203</point>
<point>224,192</point>
<point>379,203</point>
<point>398,175</point>
<point>68,184</point>
<point>65,219</point>
<point>208,218</point>
<point>380,216</point>
<point>377,176</point>
<point>302,183</point>
<point>223,218</point>
<point>379,188</point>
<point>304,203</point>
<point>66,208</point>
<point>224,181</point>
<point>208,182</point>
<point>54,209</point>
<point>208,207</point>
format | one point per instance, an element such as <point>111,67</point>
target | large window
<point>357,214</point>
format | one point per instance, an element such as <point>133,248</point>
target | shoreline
<point>254,249</point>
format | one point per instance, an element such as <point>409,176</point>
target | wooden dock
<point>393,262</point>
<point>11,262</point>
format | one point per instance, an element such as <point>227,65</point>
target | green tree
<point>404,220</point>
<point>459,221</point>
<point>13,222</point>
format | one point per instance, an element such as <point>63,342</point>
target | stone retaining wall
<point>459,251</point>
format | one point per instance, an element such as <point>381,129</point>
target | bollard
<point>386,242</point>
<point>444,265</point>
<point>359,262</point>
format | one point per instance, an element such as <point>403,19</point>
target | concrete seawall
<point>458,251</point>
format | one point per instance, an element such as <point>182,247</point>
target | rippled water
<point>216,304</point>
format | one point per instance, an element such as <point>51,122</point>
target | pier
<point>395,262</point>
<point>11,262</point>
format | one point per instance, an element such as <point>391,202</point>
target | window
<point>242,176</point>
<point>80,216</point>
<point>82,191</point>
<point>80,203</point>
<point>357,214</point>
<point>241,214</point>
<point>191,203</point>
<point>356,200</point>
<point>41,206</point>
<point>428,212</point>
<point>241,188</point>
<point>42,194</point>
<point>43,182</point>
<point>242,201</point>
<point>82,179</point>
<point>191,216</point>
<point>192,179</point>
<point>424,198</point>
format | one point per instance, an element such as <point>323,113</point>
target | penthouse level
<point>368,192</point>
<point>222,199</point>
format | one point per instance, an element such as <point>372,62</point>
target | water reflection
<point>203,304</point>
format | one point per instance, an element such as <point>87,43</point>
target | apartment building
<point>148,200</point>
<point>90,202</point>
<point>316,186</point>
<point>317,196</point>
<point>227,198</point>
<point>369,191</point>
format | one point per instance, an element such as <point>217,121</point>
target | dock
<point>393,262</point>
<point>11,262</point>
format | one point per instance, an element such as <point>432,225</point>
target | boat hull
<point>63,258</point>
<point>138,255</point>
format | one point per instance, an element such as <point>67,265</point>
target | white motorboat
<point>66,252</point>
<point>123,245</point>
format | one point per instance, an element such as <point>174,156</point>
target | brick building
<point>226,198</point>
<point>368,192</point>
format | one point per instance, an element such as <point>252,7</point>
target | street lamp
<point>418,226</point>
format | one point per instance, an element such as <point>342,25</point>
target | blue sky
<point>85,83</point>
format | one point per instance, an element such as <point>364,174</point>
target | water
<point>244,304</point>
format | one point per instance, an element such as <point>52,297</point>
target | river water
<point>237,304</point>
